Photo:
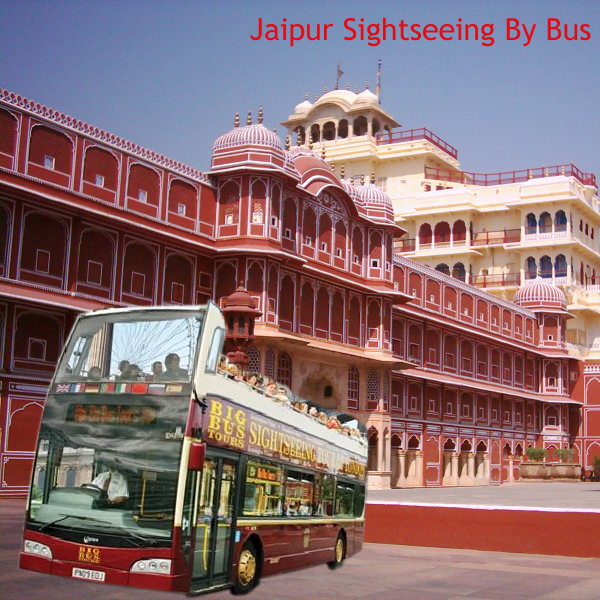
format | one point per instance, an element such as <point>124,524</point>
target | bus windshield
<point>110,442</point>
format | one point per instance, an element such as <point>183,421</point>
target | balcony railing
<point>491,238</point>
<point>396,136</point>
<point>468,178</point>
<point>500,280</point>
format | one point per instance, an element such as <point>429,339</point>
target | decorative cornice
<point>54,116</point>
<point>442,277</point>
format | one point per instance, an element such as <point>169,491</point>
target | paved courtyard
<point>564,495</point>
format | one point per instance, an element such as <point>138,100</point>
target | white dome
<point>368,97</point>
<point>541,295</point>
<point>303,107</point>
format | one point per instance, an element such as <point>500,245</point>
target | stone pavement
<point>379,572</point>
<point>574,495</point>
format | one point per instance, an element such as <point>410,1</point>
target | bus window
<point>324,494</point>
<point>299,492</point>
<point>263,489</point>
<point>344,501</point>
<point>359,501</point>
<point>215,350</point>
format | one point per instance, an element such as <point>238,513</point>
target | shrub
<point>565,454</point>
<point>535,453</point>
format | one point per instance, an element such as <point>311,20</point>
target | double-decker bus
<point>172,476</point>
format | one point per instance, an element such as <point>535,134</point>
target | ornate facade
<point>453,382</point>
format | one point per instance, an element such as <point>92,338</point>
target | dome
<point>370,194</point>
<point>250,135</point>
<point>303,107</point>
<point>541,295</point>
<point>367,96</point>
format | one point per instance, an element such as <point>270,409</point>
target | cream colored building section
<point>544,220</point>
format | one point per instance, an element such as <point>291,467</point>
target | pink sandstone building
<point>453,382</point>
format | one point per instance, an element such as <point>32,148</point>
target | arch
<point>139,270</point>
<point>342,132</point>
<point>354,321</point>
<point>560,221</point>
<point>443,268</point>
<point>360,126</point>
<point>6,218</point>
<point>357,246</point>
<point>459,231</point>
<point>307,308</point>
<point>284,369</point>
<point>229,203</point>
<point>315,132</point>
<point>8,132</point>
<point>329,131</point>
<point>459,272</point>
<point>337,316</point>
<point>287,290</point>
<point>290,219</point>
<point>449,444</point>
<point>466,446</point>
<point>530,268</point>
<point>425,234</point>
<point>560,265</point>
<point>101,168</point>
<point>373,439</point>
<point>322,314</point>
<point>183,199</point>
<point>96,258</point>
<point>375,126</point>
<point>49,142</point>
<point>414,443</point>
<point>226,278</point>
<point>396,442</point>
<point>258,202</point>
<point>309,226</point>
<point>482,447</point>
<point>179,277</point>
<point>545,222</point>
<point>340,239</point>
<point>441,233</point>
<point>143,185</point>
<point>545,267</point>
<point>530,223</point>
<point>325,229</point>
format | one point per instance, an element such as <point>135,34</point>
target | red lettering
<point>552,28</point>
<point>512,25</point>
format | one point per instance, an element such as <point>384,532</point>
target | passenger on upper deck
<point>173,372</point>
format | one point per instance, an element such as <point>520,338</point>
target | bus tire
<point>248,570</point>
<point>339,552</point>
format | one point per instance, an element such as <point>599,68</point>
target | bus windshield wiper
<point>63,517</point>
<point>132,534</point>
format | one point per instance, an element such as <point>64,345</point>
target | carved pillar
<point>511,475</point>
<point>471,468</point>
<point>454,469</point>
<point>419,468</point>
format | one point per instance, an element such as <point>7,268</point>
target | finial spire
<point>323,151</point>
<point>362,179</point>
<point>366,85</point>
<point>236,121</point>
<point>338,75</point>
<point>249,118</point>
<point>347,86</point>
<point>373,177</point>
<point>288,140</point>
<point>306,95</point>
<point>342,171</point>
<point>378,88</point>
<point>260,114</point>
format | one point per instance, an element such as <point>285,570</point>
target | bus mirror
<point>197,451</point>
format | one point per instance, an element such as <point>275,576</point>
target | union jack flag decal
<point>62,388</point>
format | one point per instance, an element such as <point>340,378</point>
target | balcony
<point>493,238</point>
<point>396,136</point>
<point>484,179</point>
<point>499,280</point>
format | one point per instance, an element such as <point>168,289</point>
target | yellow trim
<point>266,522</point>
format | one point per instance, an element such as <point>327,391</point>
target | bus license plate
<point>88,574</point>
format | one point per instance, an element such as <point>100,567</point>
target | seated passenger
<point>94,374</point>
<point>132,373</point>
<point>173,371</point>
<point>222,366</point>
<point>123,367</point>
<point>271,388</point>
<point>157,370</point>
<point>281,397</point>
<point>233,372</point>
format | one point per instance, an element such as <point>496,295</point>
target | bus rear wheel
<point>248,571</point>
<point>339,552</point>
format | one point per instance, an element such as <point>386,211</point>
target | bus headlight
<point>36,548</point>
<point>159,566</point>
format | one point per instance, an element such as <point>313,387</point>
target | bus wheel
<point>247,570</point>
<point>340,552</point>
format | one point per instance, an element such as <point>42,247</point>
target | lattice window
<point>373,390</point>
<point>353,388</point>
<point>270,364</point>
<point>254,359</point>
<point>284,369</point>
<point>386,390</point>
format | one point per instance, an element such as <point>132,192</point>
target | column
<point>419,468</point>
<point>454,469</point>
<point>401,479</point>
<point>486,467</point>
<point>511,475</point>
<point>471,468</point>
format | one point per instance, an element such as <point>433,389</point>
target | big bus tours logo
<point>226,425</point>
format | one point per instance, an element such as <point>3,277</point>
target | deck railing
<point>396,136</point>
<point>500,280</point>
<point>468,178</point>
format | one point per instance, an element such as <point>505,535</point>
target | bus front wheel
<point>339,552</point>
<point>248,571</point>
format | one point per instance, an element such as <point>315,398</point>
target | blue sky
<point>171,75</point>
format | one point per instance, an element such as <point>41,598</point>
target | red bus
<point>176,477</point>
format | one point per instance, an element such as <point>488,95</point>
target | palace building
<point>453,382</point>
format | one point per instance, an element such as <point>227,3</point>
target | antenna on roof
<point>378,88</point>
<point>338,75</point>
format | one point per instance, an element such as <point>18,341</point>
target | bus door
<point>215,522</point>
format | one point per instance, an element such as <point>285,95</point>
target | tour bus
<point>177,477</point>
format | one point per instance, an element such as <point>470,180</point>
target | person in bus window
<point>173,372</point>
<point>113,483</point>
<point>157,370</point>
<point>94,374</point>
<point>123,367</point>
<point>271,388</point>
